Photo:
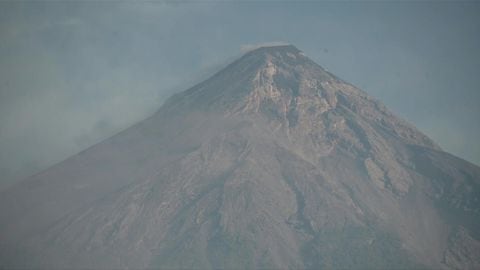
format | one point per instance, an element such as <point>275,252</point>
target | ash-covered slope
<point>271,163</point>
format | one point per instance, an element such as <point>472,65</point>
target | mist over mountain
<point>273,162</point>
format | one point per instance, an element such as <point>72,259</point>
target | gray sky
<point>72,74</point>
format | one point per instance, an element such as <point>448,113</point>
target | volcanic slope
<point>273,162</point>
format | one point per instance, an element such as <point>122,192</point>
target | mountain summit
<point>273,162</point>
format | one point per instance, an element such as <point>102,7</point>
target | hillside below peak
<point>271,163</point>
<point>295,96</point>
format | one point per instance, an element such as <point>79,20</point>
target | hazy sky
<point>74,73</point>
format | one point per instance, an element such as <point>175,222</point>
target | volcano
<point>272,163</point>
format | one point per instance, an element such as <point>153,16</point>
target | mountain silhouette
<point>272,163</point>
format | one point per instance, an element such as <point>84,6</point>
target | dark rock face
<point>271,163</point>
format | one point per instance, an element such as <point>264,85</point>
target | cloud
<point>250,47</point>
